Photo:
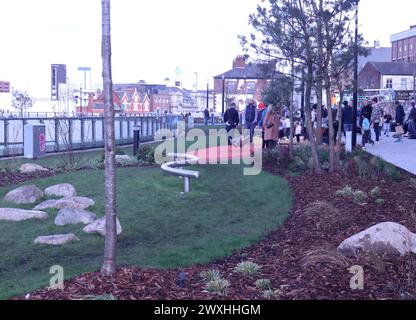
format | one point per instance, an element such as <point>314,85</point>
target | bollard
<point>136,139</point>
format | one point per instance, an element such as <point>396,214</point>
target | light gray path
<point>402,154</point>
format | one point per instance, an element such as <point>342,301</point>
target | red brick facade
<point>369,78</point>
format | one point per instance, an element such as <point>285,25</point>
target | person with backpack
<point>250,115</point>
<point>231,119</point>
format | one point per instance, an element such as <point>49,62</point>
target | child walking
<point>367,133</point>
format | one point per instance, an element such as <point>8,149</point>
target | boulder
<point>57,239</point>
<point>61,190</point>
<point>15,215</point>
<point>24,195</point>
<point>387,237</point>
<point>31,167</point>
<point>98,226</point>
<point>68,202</point>
<point>74,216</point>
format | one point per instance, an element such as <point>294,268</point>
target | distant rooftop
<point>243,70</point>
<point>377,54</point>
<point>395,68</point>
<point>404,34</point>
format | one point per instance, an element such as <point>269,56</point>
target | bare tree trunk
<point>291,109</point>
<point>308,117</point>
<point>319,79</point>
<point>332,165</point>
<point>109,265</point>
<point>340,127</point>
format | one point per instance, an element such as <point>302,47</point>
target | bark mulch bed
<point>283,253</point>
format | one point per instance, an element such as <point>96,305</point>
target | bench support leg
<point>186,184</point>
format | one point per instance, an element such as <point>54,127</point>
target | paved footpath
<point>402,154</point>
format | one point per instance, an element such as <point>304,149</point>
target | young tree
<point>21,101</point>
<point>286,31</point>
<point>109,265</point>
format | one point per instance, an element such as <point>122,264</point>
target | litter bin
<point>34,141</point>
<point>136,139</point>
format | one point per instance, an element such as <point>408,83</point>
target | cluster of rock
<point>71,209</point>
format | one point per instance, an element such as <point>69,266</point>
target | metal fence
<point>78,133</point>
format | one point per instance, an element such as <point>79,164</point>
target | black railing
<point>77,133</point>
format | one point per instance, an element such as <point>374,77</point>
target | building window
<point>404,84</point>
<point>389,83</point>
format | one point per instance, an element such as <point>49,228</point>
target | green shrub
<point>97,163</point>
<point>347,192</point>
<point>362,166</point>
<point>263,284</point>
<point>219,287</point>
<point>210,275</point>
<point>380,202</point>
<point>248,267</point>
<point>392,172</point>
<point>378,165</point>
<point>270,294</point>
<point>359,196</point>
<point>297,165</point>
<point>146,155</point>
<point>303,152</point>
<point>270,157</point>
<point>375,193</point>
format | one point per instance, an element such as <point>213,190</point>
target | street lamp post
<point>67,96</point>
<point>355,96</point>
<point>223,95</point>
<point>207,95</point>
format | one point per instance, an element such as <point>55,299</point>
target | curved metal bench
<point>181,159</point>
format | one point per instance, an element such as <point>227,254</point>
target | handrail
<point>185,159</point>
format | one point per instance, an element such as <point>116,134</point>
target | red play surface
<point>215,155</point>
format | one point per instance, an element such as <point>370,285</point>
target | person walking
<point>366,132</point>
<point>347,117</point>
<point>298,131</point>
<point>387,123</point>
<point>271,127</point>
<point>411,121</point>
<point>206,116</point>
<point>261,113</point>
<point>376,117</point>
<point>288,124</point>
<point>250,115</point>
<point>231,119</point>
<point>400,115</point>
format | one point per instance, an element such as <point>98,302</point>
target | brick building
<point>404,45</point>
<point>243,81</point>
<point>399,77</point>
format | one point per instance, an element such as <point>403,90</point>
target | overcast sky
<point>151,38</point>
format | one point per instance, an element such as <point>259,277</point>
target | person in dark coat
<point>366,112</point>
<point>400,115</point>
<point>411,121</point>
<point>231,119</point>
<point>347,117</point>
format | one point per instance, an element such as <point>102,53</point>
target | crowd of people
<point>274,121</point>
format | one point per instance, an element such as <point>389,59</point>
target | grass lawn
<point>225,211</point>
